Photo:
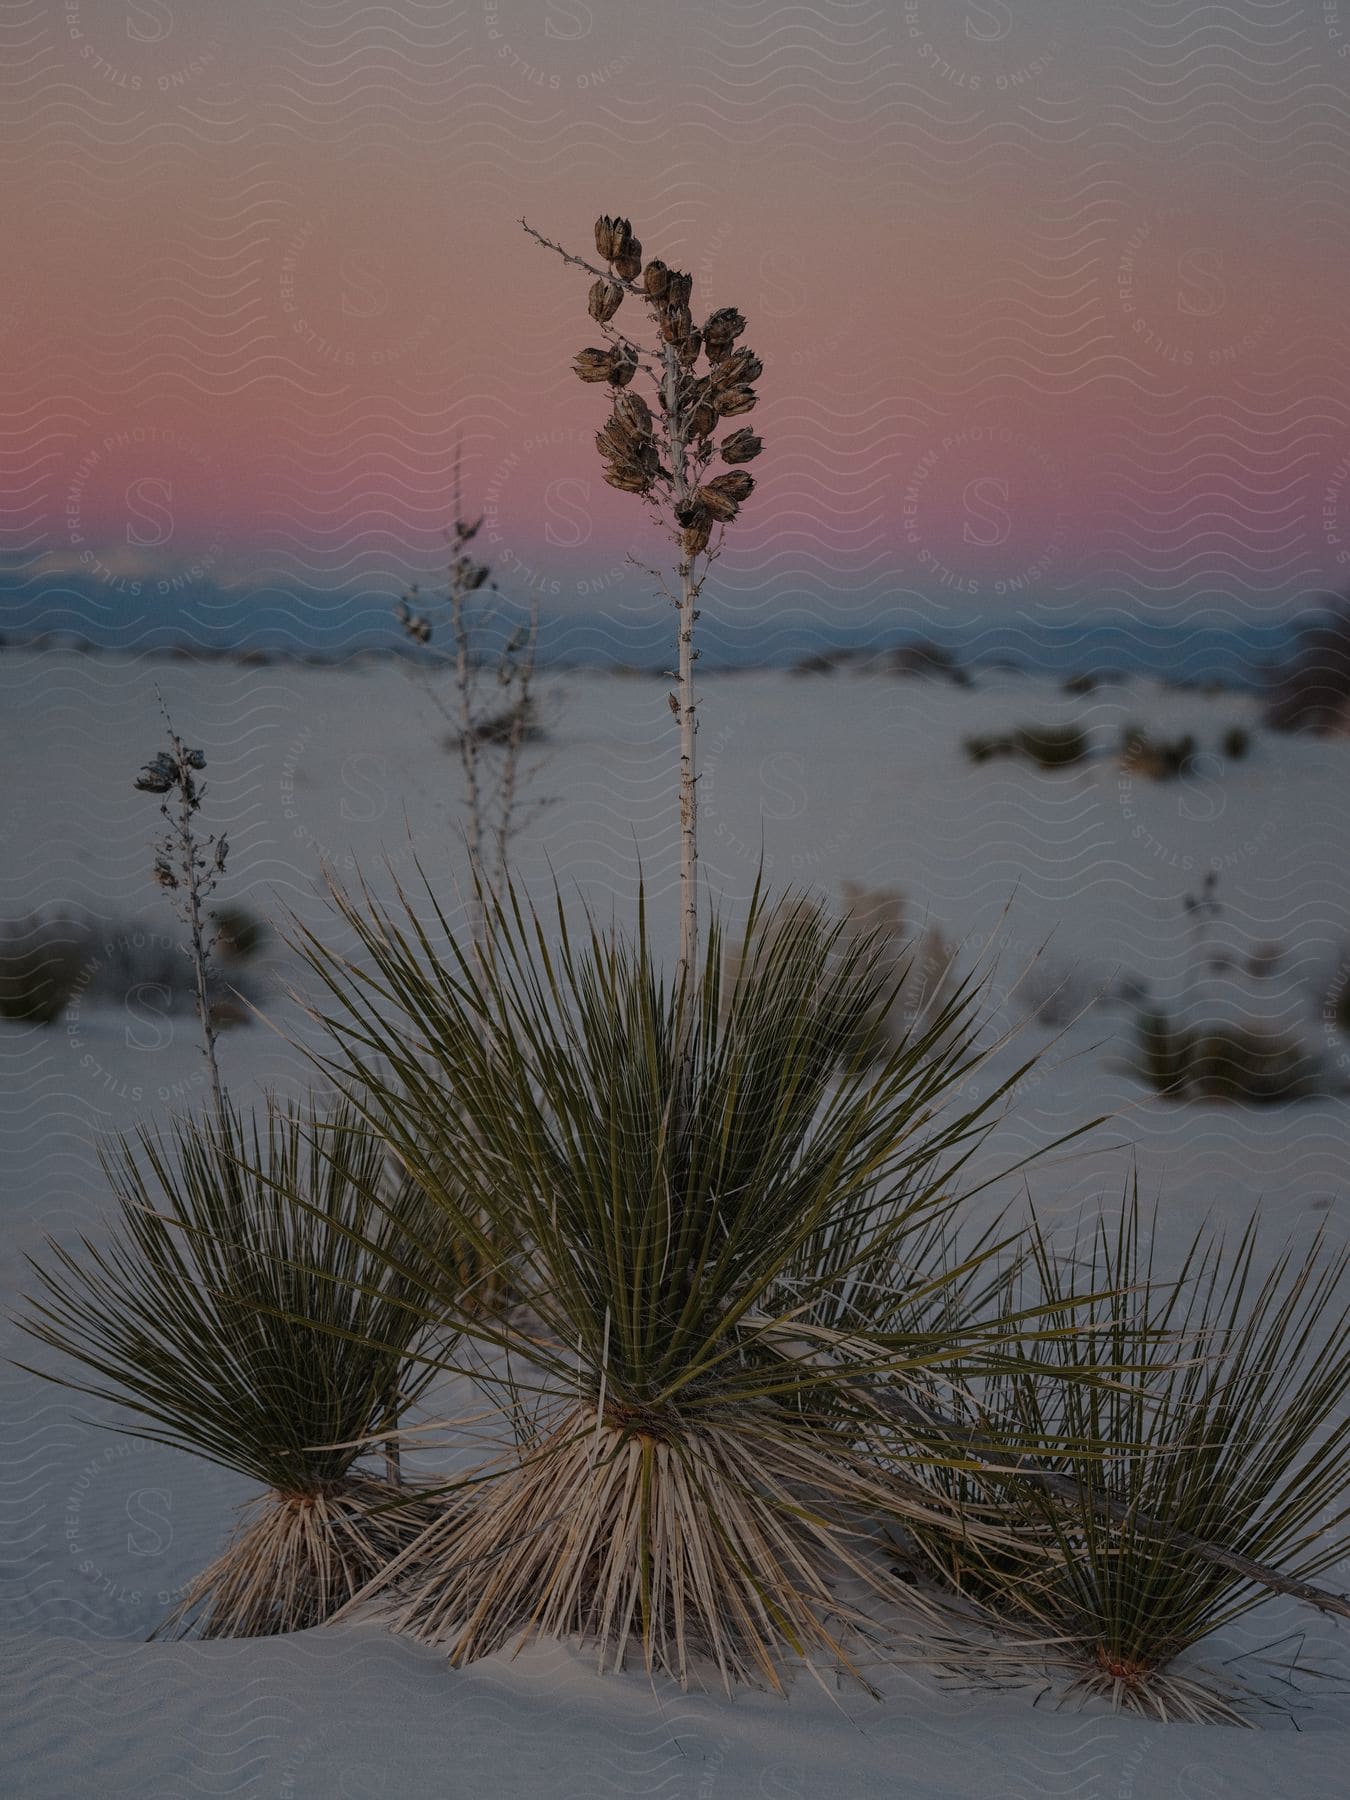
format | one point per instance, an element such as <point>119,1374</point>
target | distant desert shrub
<point>1311,690</point>
<point>1256,1064</point>
<point>126,956</point>
<point>1158,759</point>
<point>1047,746</point>
<point>1236,743</point>
<point>40,962</point>
<point>924,658</point>
<point>919,964</point>
<point>514,724</point>
<point>915,980</point>
<point>822,662</point>
<point>240,934</point>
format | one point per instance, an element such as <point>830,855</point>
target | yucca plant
<point>274,1339</point>
<point>694,1480</point>
<point>1164,1505</point>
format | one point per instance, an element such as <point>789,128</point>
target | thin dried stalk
<point>491,801</point>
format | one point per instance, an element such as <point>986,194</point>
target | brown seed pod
<point>593,364</point>
<point>736,485</point>
<point>635,413</point>
<point>737,370</point>
<point>736,400</point>
<point>628,477</point>
<point>628,263</point>
<point>612,441</point>
<point>694,537</point>
<point>721,330</point>
<point>676,324</point>
<point>611,235</point>
<point>655,278</point>
<point>703,419</point>
<point>679,287</point>
<point>604,302</point>
<point>616,442</point>
<point>717,506</point>
<point>624,368</point>
<point>690,348</point>
<point>741,446</point>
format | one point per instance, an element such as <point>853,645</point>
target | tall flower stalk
<point>661,450</point>
<point>188,867</point>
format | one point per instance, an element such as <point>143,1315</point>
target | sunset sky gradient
<point>1050,297</point>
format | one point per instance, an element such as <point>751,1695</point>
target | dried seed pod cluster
<point>416,624</point>
<point>700,378</point>
<point>604,300</point>
<point>722,495</point>
<point>165,772</point>
<point>741,446</point>
<point>615,241</point>
<point>662,448</point>
<point>616,366</point>
<point>468,574</point>
<point>627,445</point>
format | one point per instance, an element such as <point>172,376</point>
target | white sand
<point>842,776</point>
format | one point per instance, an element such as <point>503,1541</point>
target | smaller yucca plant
<point>1165,1504</point>
<point>276,1339</point>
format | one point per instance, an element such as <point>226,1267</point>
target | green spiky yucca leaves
<point>691,1481</point>
<point>271,1338</point>
<point>1139,1529</point>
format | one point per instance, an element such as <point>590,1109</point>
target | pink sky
<point>1049,298</point>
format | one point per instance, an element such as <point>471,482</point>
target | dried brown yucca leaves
<point>295,1558</point>
<point>717,1544</point>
